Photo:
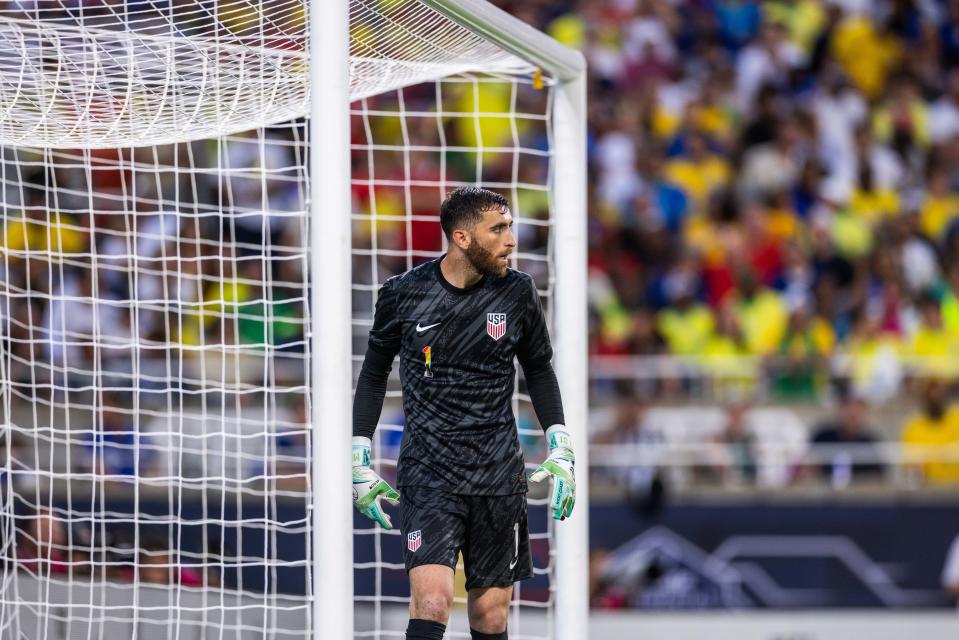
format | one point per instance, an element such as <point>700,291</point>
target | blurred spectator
<point>685,324</point>
<point>798,363</point>
<point>940,207</point>
<point>87,550</point>
<point>866,51</point>
<point>932,432</point>
<point>839,109</point>
<point>769,59</point>
<point>848,444</point>
<point>944,119</point>
<point>157,565</point>
<point>699,172</point>
<point>933,348</point>
<point>903,117</point>
<point>950,571</point>
<point>614,158</point>
<point>603,593</point>
<point>775,166</point>
<point>39,233</point>
<point>761,314</point>
<point>950,302</point>
<point>642,480</point>
<point>42,546</point>
<point>767,111</point>
<point>738,21</point>
<point>727,359</point>
<point>667,204</point>
<point>733,454</point>
<point>875,368</point>
<point>918,261</point>
<point>114,445</point>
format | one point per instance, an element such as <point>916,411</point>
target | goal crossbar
<point>514,36</point>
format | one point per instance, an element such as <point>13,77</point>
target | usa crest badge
<point>414,540</point>
<point>496,325</point>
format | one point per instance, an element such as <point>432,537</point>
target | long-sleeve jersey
<point>456,349</point>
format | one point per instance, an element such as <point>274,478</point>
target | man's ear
<point>462,239</point>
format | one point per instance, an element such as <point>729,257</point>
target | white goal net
<point>155,316</point>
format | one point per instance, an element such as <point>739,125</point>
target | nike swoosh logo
<point>420,329</point>
<point>515,546</point>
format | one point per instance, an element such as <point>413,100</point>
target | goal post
<point>572,366</point>
<point>331,328</point>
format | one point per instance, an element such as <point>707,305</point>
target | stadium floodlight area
<point>176,279</point>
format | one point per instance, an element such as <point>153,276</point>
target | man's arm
<point>382,346</point>
<point>384,343</point>
<point>544,392</point>
<point>370,392</point>
<point>535,353</point>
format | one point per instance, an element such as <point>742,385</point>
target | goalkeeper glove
<point>559,466</point>
<point>369,487</point>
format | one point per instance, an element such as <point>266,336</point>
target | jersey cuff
<point>361,451</point>
<point>557,436</point>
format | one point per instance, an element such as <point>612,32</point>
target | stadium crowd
<point>774,204</point>
<point>773,184</point>
<point>772,199</point>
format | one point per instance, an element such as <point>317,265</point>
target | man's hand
<point>559,466</point>
<point>368,487</point>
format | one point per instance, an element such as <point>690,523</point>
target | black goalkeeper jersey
<point>456,349</point>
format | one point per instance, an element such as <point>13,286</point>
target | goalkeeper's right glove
<point>559,466</point>
<point>368,487</point>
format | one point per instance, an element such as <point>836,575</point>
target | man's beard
<point>484,261</point>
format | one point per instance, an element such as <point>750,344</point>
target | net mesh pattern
<point>102,75</point>
<point>154,300</point>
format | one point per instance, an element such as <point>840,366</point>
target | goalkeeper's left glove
<point>368,487</point>
<point>559,466</point>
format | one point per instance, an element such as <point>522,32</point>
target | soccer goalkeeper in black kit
<point>457,322</point>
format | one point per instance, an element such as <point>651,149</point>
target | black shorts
<point>490,531</point>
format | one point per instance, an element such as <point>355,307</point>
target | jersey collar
<point>451,288</point>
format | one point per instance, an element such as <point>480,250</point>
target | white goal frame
<point>331,335</point>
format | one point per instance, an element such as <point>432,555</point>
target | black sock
<point>488,636</point>
<point>425,630</point>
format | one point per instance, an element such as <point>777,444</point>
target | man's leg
<point>434,529</point>
<point>431,594</point>
<point>488,609</point>
<point>496,556</point>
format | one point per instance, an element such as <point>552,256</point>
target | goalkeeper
<point>457,322</point>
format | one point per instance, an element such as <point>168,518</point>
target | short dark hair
<point>464,207</point>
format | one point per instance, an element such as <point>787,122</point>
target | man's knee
<point>431,605</point>
<point>489,615</point>
<point>432,592</point>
